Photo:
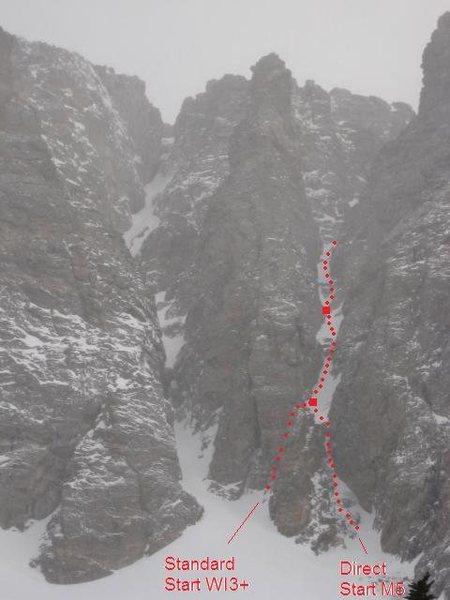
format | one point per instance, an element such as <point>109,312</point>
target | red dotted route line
<point>313,403</point>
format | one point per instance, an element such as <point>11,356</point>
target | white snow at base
<point>275,566</point>
<point>145,221</point>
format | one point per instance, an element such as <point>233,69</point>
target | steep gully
<point>314,405</point>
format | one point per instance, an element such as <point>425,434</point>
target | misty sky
<point>176,46</point>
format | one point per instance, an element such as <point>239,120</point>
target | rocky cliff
<point>391,410</point>
<point>260,174</point>
<point>142,120</point>
<point>85,432</point>
<point>341,134</point>
<point>248,330</point>
<point>196,163</point>
<point>240,197</point>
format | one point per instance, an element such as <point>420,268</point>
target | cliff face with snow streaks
<point>152,273</point>
<point>391,410</point>
<point>258,176</point>
<point>85,432</point>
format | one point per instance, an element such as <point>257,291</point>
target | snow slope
<point>274,565</point>
<point>145,221</point>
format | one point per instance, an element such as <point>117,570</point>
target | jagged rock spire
<point>272,83</point>
<point>435,96</point>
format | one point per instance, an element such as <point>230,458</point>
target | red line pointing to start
<point>363,546</point>
<point>243,523</point>
<point>313,404</point>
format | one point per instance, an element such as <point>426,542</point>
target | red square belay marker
<point>326,310</point>
<point>312,401</point>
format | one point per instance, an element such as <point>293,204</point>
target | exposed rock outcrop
<point>341,134</point>
<point>259,175</point>
<point>85,432</point>
<point>243,191</point>
<point>391,411</point>
<point>197,163</point>
<point>143,121</point>
<point>250,327</point>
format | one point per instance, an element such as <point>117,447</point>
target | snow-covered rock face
<point>391,411</point>
<point>257,177</point>
<point>260,174</point>
<point>196,163</point>
<point>85,432</point>
<point>87,130</point>
<point>341,134</point>
<point>254,275</point>
<point>142,120</point>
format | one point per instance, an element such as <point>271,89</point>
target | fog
<point>176,46</point>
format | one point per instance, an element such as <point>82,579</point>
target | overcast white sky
<point>176,46</point>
